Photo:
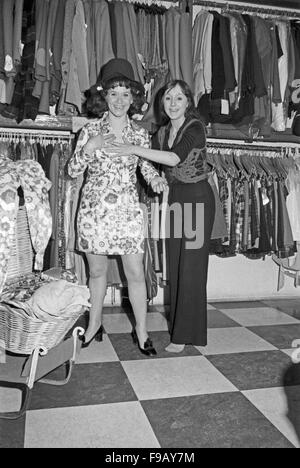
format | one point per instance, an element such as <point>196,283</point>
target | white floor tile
<point>159,308</point>
<point>260,316</point>
<point>118,425</point>
<point>233,340</point>
<point>156,322</point>
<point>174,377</point>
<point>117,323</point>
<point>97,352</point>
<point>120,323</point>
<point>10,399</point>
<point>272,402</point>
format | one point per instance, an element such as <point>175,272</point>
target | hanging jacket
<point>30,176</point>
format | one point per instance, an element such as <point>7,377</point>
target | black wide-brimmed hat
<point>116,68</point>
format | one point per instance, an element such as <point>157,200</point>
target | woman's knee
<point>135,276</point>
<point>97,269</point>
<point>135,272</point>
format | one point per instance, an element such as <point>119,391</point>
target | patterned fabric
<point>30,176</point>
<point>255,214</point>
<point>24,105</point>
<point>110,219</point>
<point>190,147</point>
<point>224,194</point>
<point>239,214</point>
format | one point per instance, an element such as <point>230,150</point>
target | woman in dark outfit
<point>181,144</point>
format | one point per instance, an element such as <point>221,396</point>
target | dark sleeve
<point>155,142</point>
<point>193,137</point>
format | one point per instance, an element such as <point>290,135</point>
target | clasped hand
<point>99,141</point>
<point>158,184</point>
<point>114,149</point>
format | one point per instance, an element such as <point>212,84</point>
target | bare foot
<point>175,348</point>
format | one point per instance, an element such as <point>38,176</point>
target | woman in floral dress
<point>110,219</point>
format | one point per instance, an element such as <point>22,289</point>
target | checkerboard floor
<point>242,390</point>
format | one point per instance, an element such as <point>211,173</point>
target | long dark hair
<point>96,105</point>
<point>159,109</point>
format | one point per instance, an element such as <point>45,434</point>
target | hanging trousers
<point>188,265</point>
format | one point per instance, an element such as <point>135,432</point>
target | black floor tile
<point>238,305</point>
<point>281,336</point>
<point>293,402</point>
<point>117,310</point>
<point>128,351</point>
<point>224,420</point>
<point>249,371</point>
<point>12,433</point>
<point>90,384</point>
<point>288,306</point>
<point>215,319</point>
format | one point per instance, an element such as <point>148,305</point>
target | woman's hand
<point>98,142</point>
<point>158,184</point>
<point>120,149</point>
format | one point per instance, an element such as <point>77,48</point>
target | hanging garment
<point>78,69</point>
<point>40,64</point>
<point>30,176</point>
<point>67,40</point>
<point>103,37</point>
<point>172,42</point>
<point>293,202</point>
<point>24,105</point>
<point>2,51</point>
<point>113,26</point>
<point>54,205</point>
<point>55,65</point>
<point>185,47</point>
<point>262,116</point>
<point>233,25</point>
<point>239,34</point>
<point>219,230</point>
<point>131,42</point>
<point>12,29</point>
<point>202,36</point>
<point>278,110</point>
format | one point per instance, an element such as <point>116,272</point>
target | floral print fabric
<point>110,219</point>
<point>30,176</point>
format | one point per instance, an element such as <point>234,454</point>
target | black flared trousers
<point>188,256</point>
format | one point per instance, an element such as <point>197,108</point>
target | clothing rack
<point>249,8</point>
<point>276,147</point>
<point>159,3</point>
<point>17,133</point>
<point>260,144</point>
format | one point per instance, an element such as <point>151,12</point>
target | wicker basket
<point>23,334</point>
<point>21,254</point>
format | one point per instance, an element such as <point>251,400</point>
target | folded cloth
<point>59,299</point>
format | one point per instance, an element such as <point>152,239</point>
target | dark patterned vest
<point>193,169</point>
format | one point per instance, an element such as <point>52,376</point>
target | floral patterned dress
<point>30,176</point>
<point>110,218</point>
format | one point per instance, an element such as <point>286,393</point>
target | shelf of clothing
<point>254,146</point>
<point>248,8</point>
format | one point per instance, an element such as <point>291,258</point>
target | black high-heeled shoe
<point>97,337</point>
<point>148,348</point>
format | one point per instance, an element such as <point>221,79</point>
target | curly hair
<point>96,104</point>
<point>159,110</point>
